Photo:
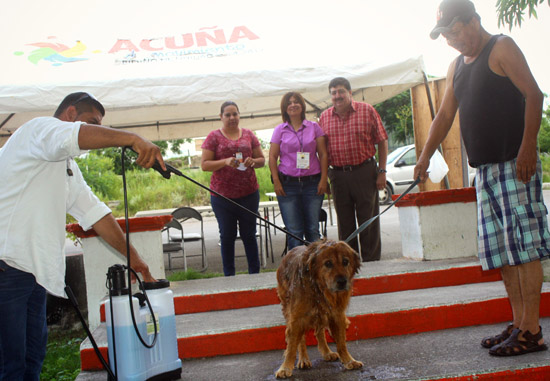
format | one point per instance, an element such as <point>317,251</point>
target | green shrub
<point>98,171</point>
<point>545,159</point>
<point>148,190</point>
<point>62,362</point>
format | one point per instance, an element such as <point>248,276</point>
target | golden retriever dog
<point>314,285</point>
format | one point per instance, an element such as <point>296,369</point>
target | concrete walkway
<point>452,353</point>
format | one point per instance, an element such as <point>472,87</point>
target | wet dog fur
<point>314,284</point>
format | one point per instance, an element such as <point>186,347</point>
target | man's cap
<point>449,12</point>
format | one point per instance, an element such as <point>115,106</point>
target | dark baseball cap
<point>449,12</point>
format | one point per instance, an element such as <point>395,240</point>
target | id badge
<point>239,157</point>
<point>302,160</point>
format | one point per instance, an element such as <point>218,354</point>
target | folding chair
<point>179,238</point>
<point>323,223</point>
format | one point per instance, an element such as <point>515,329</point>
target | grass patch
<point>191,274</point>
<point>62,360</point>
<point>194,274</point>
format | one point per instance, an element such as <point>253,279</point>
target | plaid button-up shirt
<point>352,138</point>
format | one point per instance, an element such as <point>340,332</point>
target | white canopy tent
<point>165,79</point>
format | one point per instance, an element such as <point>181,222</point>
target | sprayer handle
<point>166,174</point>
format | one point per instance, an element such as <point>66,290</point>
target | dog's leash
<point>370,221</point>
<point>168,173</point>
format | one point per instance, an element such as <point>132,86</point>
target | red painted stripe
<point>247,341</point>
<point>362,327</point>
<point>137,224</point>
<point>90,361</point>
<point>528,374</point>
<point>422,280</point>
<point>437,197</point>
<point>361,286</point>
<point>225,301</point>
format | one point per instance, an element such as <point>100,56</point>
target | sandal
<point>491,341</point>
<point>515,347</point>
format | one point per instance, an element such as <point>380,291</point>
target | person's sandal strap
<point>491,341</point>
<point>515,347</point>
<point>533,338</point>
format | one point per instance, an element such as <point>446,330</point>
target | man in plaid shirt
<point>353,131</point>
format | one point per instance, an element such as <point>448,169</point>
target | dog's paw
<point>283,373</point>
<point>353,364</point>
<point>331,356</point>
<point>303,364</point>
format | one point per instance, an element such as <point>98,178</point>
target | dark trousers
<point>228,216</point>
<point>356,200</point>
<point>23,330</point>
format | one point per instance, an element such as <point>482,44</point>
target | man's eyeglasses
<point>338,92</point>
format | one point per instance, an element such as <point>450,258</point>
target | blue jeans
<point>23,329</point>
<point>228,216</point>
<point>300,210</point>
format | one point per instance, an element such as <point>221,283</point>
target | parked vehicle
<point>400,175</point>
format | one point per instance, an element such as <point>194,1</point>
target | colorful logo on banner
<point>56,53</point>
<point>211,42</point>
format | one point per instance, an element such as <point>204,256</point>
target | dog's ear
<point>310,255</point>
<point>354,257</point>
<point>356,261</point>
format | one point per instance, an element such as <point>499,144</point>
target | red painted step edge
<point>437,197</point>
<point>361,286</point>
<point>528,374</point>
<point>362,327</point>
<point>137,224</point>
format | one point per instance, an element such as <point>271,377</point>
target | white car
<point>400,175</point>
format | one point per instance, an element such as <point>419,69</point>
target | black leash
<point>370,221</point>
<point>169,170</point>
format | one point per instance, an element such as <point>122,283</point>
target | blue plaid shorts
<point>512,224</point>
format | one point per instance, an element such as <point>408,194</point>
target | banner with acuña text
<point>136,54</point>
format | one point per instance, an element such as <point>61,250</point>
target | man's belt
<point>349,168</point>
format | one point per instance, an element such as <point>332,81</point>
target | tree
<point>544,132</point>
<point>130,157</point>
<point>98,173</point>
<point>396,114</point>
<point>511,12</point>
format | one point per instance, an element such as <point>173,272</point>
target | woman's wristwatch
<point>382,171</point>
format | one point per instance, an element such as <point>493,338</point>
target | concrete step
<point>245,291</point>
<point>256,329</point>
<point>450,354</point>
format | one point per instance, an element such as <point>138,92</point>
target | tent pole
<point>432,112</point>
<point>7,119</point>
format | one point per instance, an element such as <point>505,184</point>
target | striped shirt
<point>351,139</point>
